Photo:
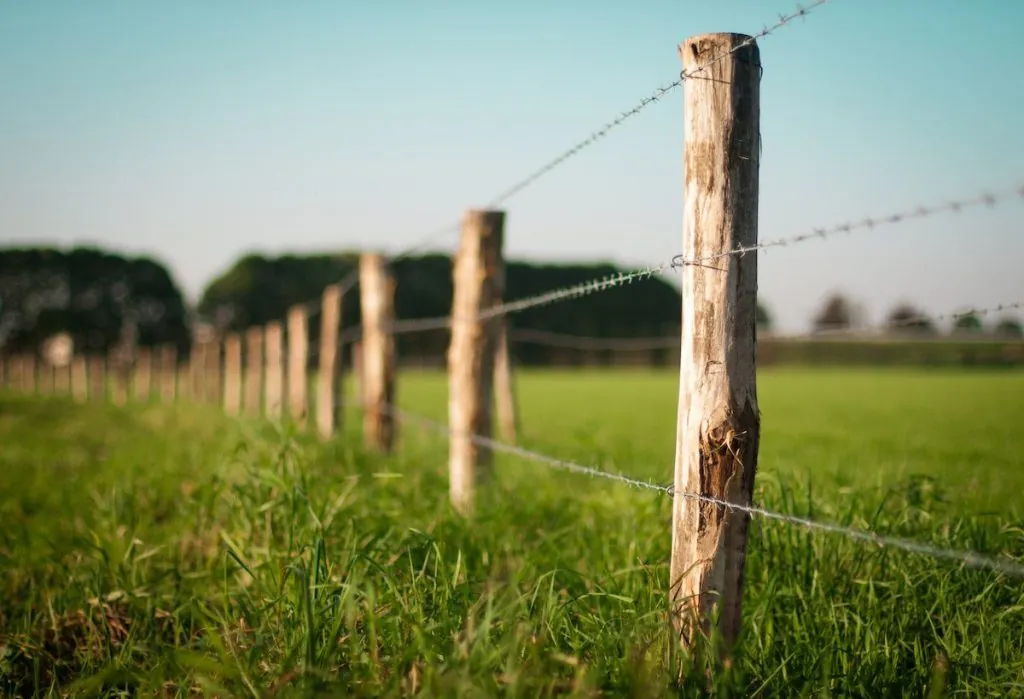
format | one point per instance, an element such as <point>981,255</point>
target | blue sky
<point>198,131</point>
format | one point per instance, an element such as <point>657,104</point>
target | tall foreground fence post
<point>478,275</point>
<point>377,299</point>
<point>298,358</point>
<point>273,382</point>
<point>327,383</point>
<point>718,427</point>
<point>253,371</point>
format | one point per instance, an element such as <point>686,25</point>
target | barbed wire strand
<point>968,558</point>
<point>522,184</point>
<point>350,280</point>
<point>869,223</point>
<point>678,261</point>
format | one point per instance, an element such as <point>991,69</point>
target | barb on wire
<point>645,102</point>
<point>869,223</point>
<point>971,559</point>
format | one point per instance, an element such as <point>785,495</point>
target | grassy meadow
<point>169,551</point>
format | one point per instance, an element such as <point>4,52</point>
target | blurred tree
<point>257,289</point>
<point>94,295</point>
<point>764,320</point>
<point>967,324</point>
<point>835,314</point>
<point>905,319</point>
<point>1009,328</point>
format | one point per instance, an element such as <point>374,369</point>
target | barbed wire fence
<point>17,373</point>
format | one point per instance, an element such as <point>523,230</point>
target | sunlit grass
<point>170,551</point>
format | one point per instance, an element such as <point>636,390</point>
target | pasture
<point>170,551</point>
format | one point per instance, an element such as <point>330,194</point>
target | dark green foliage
<point>257,290</point>
<point>89,293</point>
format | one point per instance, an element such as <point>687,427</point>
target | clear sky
<point>198,131</point>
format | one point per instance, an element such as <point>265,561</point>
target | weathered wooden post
<point>298,360</point>
<point>30,374</point>
<point>327,413</point>
<point>213,389</point>
<point>97,377</point>
<point>274,381</point>
<point>119,366</point>
<point>377,297</point>
<point>478,275</point>
<point>718,419</point>
<point>143,382</point>
<point>504,387</point>
<point>232,373</point>
<point>168,373</point>
<point>46,378</point>
<point>253,371</point>
<point>196,371</point>
<point>80,378</point>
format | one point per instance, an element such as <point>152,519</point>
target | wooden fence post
<point>62,378</point>
<point>504,387</point>
<point>232,373</point>
<point>213,387</point>
<point>718,428</point>
<point>327,413</point>
<point>478,275</point>
<point>120,367</point>
<point>253,371</point>
<point>97,377</point>
<point>143,382</point>
<point>377,297</point>
<point>30,374</point>
<point>298,360</point>
<point>274,381</point>
<point>168,373</point>
<point>46,378</point>
<point>80,378</point>
<point>196,371</point>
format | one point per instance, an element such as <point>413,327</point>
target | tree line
<point>105,300</point>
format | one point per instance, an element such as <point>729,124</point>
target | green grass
<point>169,551</point>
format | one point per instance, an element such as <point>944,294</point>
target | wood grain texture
<point>718,420</point>
<point>478,275</point>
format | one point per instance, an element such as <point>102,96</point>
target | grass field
<point>169,551</point>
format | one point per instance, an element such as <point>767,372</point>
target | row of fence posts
<point>718,421</point>
<point>264,371</point>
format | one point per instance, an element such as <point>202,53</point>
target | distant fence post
<point>213,388</point>
<point>196,371</point>
<point>143,383</point>
<point>62,378</point>
<point>79,378</point>
<point>168,373</point>
<point>232,373</point>
<point>120,366</point>
<point>253,371</point>
<point>327,383</point>
<point>478,276</point>
<point>46,378</point>
<point>274,381</point>
<point>30,373</point>
<point>97,377</point>
<point>298,361</point>
<point>504,388</point>
<point>377,297</point>
<point>718,428</point>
